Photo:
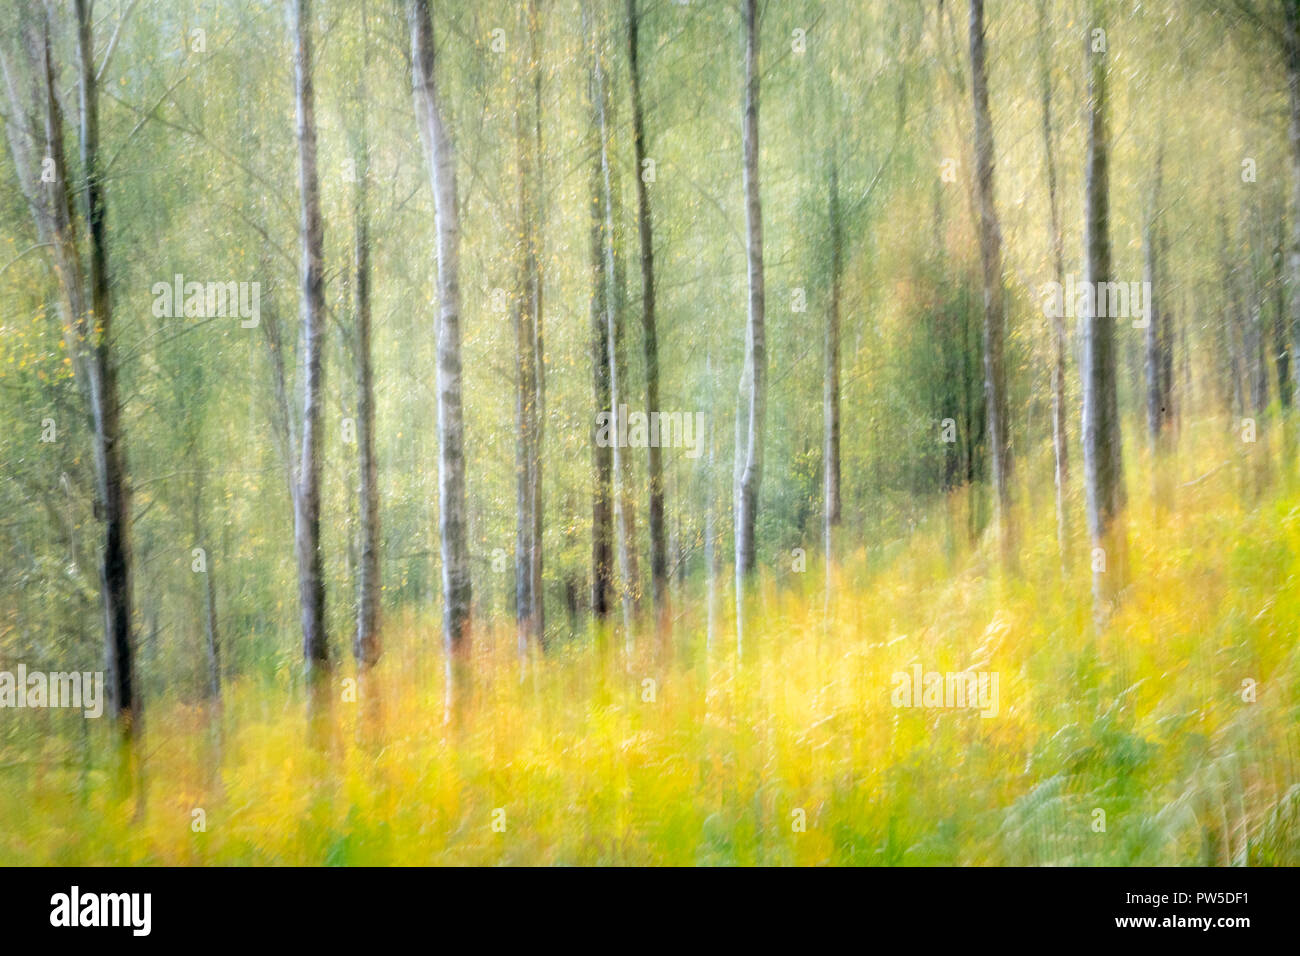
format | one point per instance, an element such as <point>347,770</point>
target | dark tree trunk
<point>1292,54</point>
<point>615,278</point>
<point>1234,329</point>
<point>1165,346</point>
<point>658,533</point>
<point>210,629</point>
<point>602,547</point>
<point>211,642</point>
<point>311,580</point>
<point>366,646</point>
<point>114,492</point>
<point>753,390</point>
<point>525,407</point>
<point>710,519</point>
<point>35,133</point>
<point>1103,462</point>
<point>1256,343</point>
<point>1157,403</point>
<point>536,285</point>
<point>995,384</point>
<point>831,376</point>
<point>1060,444</point>
<point>529,373</point>
<point>1281,319</point>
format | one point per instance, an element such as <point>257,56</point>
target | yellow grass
<point>711,764</point>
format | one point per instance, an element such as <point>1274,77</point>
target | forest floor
<point>1170,736</point>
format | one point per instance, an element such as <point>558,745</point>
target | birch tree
<point>307,544</point>
<point>1155,336</point>
<point>1060,443</point>
<point>990,238</point>
<point>831,508</point>
<point>649,331</point>
<point>530,381</point>
<point>1291,57</point>
<point>602,461</point>
<point>615,300</point>
<point>366,646</point>
<point>1103,462</point>
<point>753,385</point>
<point>440,153</point>
<point>35,132</point>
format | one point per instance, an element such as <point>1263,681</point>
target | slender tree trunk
<point>710,532</point>
<point>210,640</point>
<point>1060,443</point>
<point>366,646</point>
<point>995,384</point>
<point>831,377</point>
<point>677,545</point>
<point>1103,462</point>
<point>625,511</point>
<point>525,405</point>
<point>1256,357</point>
<point>658,533</point>
<point>311,580</point>
<point>602,548</point>
<point>1168,333</point>
<point>1291,10</point>
<point>210,629</point>
<point>1184,392</point>
<point>831,388</point>
<point>1235,330</point>
<point>529,361</point>
<point>456,588</point>
<point>86,311</point>
<point>749,449</point>
<point>536,285</point>
<point>1156,401</point>
<point>1256,339</point>
<point>114,492</point>
<point>1281,338</point>
<point>1168,338</point>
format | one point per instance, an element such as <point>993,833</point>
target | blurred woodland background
<point>372,579</point>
